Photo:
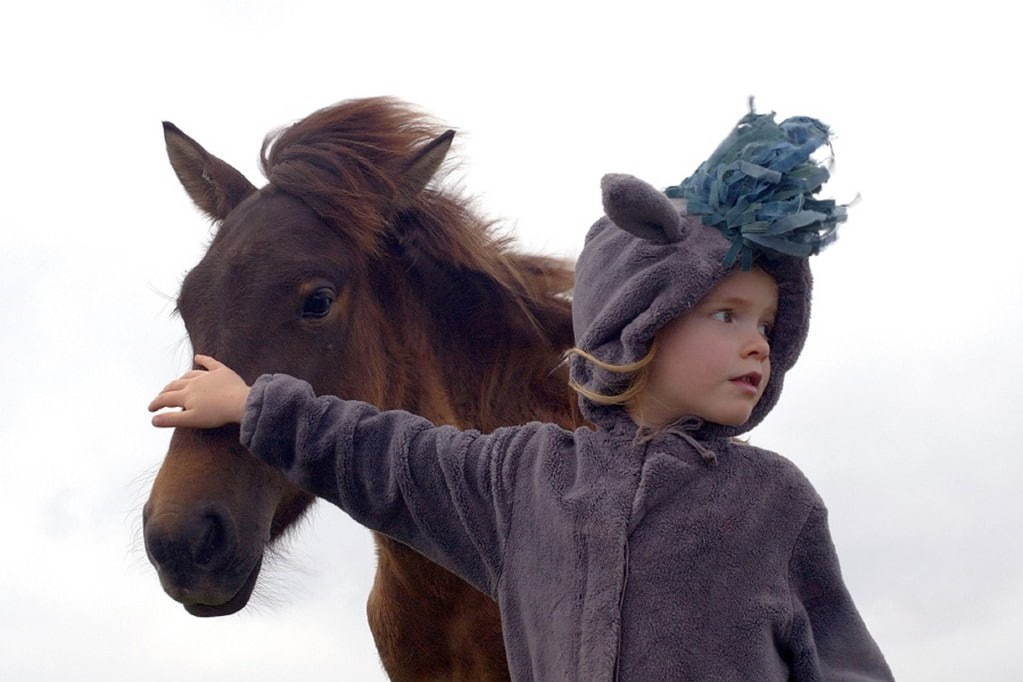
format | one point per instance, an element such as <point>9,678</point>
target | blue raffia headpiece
<point>757,187</point>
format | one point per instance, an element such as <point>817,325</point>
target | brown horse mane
<point>344,161</point>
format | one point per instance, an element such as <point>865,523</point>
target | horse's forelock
<point>344,162</point>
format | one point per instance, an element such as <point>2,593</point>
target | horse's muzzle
<point>194,551</point>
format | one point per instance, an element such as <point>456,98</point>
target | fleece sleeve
<point>828,639</point>
<point>435,488</point>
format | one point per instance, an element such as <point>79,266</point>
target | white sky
<point>903,410</point>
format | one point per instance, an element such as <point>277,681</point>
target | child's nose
<point>757,344</point>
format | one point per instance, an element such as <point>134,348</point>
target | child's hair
<point>636,385</point>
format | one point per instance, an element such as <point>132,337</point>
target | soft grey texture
<point>646,264</point>
<point>613,554</point>
<point>610,559</point>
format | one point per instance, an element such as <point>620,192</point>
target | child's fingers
<point>167,399</point>
<point>208,362</point>
<point>183,380</point>
<point>172,419</point>
<point>178,384</point>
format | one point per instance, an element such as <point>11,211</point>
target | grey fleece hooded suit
<point>613,555</point>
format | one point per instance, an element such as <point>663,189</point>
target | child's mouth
<point>749,382</point>
<point>745,385</point>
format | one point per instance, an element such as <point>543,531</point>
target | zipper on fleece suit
<point>642,448</point>
<point>621,604</point>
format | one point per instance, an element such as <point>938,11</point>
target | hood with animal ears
<point>655,255</point>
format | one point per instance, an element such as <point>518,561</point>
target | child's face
<point>701,354</point>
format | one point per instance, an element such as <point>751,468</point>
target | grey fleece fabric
<point>614,555</point>
<point>610,558</point>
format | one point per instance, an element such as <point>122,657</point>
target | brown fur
<point>434,314</point>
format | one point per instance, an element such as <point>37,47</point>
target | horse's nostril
<point>182,545</point>
<point>160,546</point>
<point>212,540</point>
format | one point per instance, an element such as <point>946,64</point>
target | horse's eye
<point>318,303</point>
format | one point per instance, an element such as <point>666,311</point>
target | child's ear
<point>636,207</point>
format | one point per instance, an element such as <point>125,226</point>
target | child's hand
<point>208,398</point>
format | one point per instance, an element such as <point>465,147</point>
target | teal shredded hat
<point>655,254</point>
<point>757,189</point>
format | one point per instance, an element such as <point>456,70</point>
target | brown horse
<point>348,271</point>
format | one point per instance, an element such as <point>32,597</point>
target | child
<point>656,547</point>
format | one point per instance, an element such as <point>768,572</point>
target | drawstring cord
<point>680,428</point>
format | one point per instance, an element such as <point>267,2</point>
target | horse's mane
<point>344,162</point>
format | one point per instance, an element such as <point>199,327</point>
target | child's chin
<point>731,419</point>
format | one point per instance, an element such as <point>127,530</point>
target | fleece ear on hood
<point>636,207</point>
<point>652,258</point>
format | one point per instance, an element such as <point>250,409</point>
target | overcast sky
<point>903,410</point>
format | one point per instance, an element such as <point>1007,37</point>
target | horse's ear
<point>214,186</point>
<point>421,168</point>
<point>636,207</point>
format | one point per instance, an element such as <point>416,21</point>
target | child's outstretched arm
<point>442,491</point>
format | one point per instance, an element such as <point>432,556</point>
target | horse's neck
<point>476,363</point>
<point>507,385</point>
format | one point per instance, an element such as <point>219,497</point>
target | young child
<point>656,547</point>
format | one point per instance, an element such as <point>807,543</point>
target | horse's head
<point>312,276</point>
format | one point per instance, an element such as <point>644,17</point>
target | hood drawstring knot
<point>681,429</point>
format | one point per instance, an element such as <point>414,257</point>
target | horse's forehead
<point>268,223</point>
<point>267,245</point>
<point>270,213</point>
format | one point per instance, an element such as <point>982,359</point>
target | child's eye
<point>727,315</point>
<point>723,315</point>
